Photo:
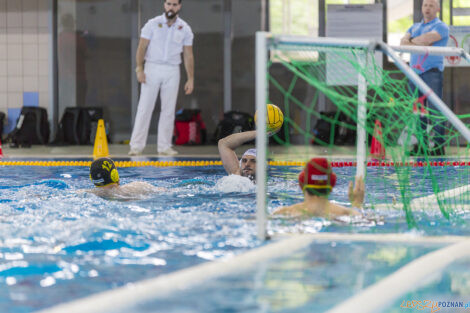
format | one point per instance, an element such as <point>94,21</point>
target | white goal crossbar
<point>266,42</point>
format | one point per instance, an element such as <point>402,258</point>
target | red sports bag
<point>189,128</point>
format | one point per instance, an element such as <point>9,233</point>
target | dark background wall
<point>110,29</point>
<point>107,27</point>
<point>206,19</point>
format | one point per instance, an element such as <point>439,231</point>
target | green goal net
<point>340,102</point>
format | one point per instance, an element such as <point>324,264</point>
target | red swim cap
<point>317,174</point>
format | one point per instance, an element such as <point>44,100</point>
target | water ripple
<point>57,243</point>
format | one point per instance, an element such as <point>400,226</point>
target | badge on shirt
<point>180,27</point>
<point>160,25</point>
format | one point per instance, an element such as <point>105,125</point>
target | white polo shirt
<point>166,42</point>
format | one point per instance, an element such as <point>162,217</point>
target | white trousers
<point>166,79</point>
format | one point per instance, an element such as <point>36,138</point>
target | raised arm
<point>188,58</point>
<point>227,148</point>
<point>356,192</point>
<point>140,58</point>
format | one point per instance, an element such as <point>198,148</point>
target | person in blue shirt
<point>431,31</point>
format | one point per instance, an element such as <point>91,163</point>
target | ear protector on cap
<point>103,172</point>
<point>317,174</point>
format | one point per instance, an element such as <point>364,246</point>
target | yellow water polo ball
<point>274,119</point>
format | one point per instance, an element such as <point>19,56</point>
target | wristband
<point>139,68</point>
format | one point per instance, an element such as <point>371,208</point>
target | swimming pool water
<point>451,285</point>
<point>283,190</point>
<point>312,280</point>
<point>59,244</point>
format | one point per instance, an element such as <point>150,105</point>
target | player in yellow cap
<point>105,176</point>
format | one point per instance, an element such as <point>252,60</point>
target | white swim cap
<point>251,152</point>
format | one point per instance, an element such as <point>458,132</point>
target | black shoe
<point>438,151</point>
<point>20,145</point>
<point>416,151</point>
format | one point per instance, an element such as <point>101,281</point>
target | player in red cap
<point>317,180</point>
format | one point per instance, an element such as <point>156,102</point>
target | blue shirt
<point>422,62</point>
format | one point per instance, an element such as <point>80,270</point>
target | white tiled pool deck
<point>291,153</point>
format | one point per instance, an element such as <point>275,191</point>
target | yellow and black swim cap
<point>103,172</point>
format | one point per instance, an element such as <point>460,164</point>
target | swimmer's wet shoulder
<point>321,207</point>
<point>131,191</point>
<point>317,180</point>
<point>105,177</point>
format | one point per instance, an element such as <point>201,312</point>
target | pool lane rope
<point>219,163</point>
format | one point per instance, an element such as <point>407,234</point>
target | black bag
<point>76,125</point>
<point>32,127</point>
<point>343,135</point>
<point>233,122</point>
<point>2,123</point>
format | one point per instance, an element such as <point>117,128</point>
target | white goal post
<point>265,42</point>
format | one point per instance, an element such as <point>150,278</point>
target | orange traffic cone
<point>377,150</point>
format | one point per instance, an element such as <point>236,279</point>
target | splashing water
<point>235,183</point>
<point>55,241</point>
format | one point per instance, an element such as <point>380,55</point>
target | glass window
<point>458,20</point>
<point>399,18</point>
<point>294,17</point>
<point>299,17</point>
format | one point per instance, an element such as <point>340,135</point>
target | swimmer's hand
<point>356,193</point>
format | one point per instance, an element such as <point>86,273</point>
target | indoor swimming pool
<point>59,243</point>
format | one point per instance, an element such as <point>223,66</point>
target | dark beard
<point>170,14</point>
<point>250,176</point>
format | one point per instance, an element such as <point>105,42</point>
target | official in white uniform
<point>162,40</point>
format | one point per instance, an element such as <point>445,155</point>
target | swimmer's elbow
<point>222,143</point>
<point>83,191</point>
<point>281,210</point>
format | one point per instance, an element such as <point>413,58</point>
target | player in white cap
<point>246,166</point>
